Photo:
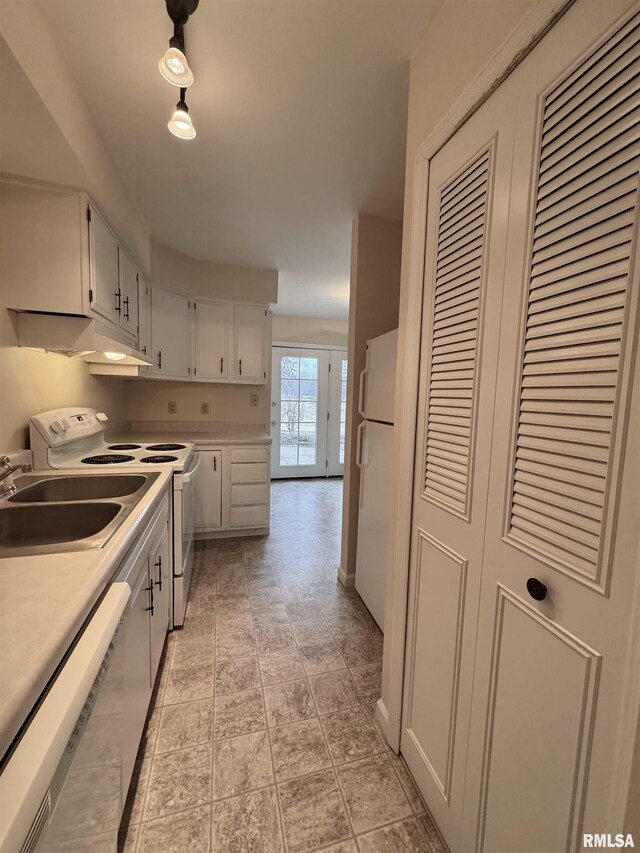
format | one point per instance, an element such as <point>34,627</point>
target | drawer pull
<point>536,589</point>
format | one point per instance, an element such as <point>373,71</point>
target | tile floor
<point>262,735</point>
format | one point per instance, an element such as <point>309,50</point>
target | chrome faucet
<point>6,470</point>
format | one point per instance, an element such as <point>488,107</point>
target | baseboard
<point>382,716</point>
<point>345,578</point>
<point>231,534</point>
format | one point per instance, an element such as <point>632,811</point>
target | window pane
<point>343,412</point>
<point>289,411</point>
<point>344,368</point>
<point>308,389</point>
<point>307,446</point>
<point>341,453</point>
<point>343,392</point>
<point>308,412</point>
<point>289,389</point>
<point>308,368</point>
<point>289,367</point>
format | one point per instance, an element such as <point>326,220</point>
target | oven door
<point>185,496</point>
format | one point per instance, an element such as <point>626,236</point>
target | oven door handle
<point>26,778</point>
<point>188,475</point>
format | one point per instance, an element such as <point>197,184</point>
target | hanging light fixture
<point>175,69</point>
<point>180,123</point>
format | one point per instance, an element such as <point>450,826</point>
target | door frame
<point>509,55</point>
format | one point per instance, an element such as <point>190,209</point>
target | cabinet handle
<point>144,350</point>
<point>119,301</point>
<point>158,566</point>
<point>126,308</point>
<point>215,464</point>
<point>150,590</point>
<point>240,363</point>
<point>159,359</point>
<point>536,589</point>
<point>221,364</point>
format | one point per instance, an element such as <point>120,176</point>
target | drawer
<point>249,472</point>
<point>254,493</point>
<point>250,454</point>
<point>249,516</point>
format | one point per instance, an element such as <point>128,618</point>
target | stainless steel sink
<point>55,513</point>
<point>27,526</point>
<point>80,488</point>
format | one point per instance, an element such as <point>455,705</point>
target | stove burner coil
<point>124,447</point>
<point>107,459</point>
<point>157,460</point>
<point>166,447</point>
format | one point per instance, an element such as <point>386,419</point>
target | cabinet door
<point>214,327</point>
<point>170,334</point>
<point>144,320</point>
<point>137,675</point>
<point>128,278</point>
<point>159,579</point>
<point>250,340</point>
<point>103,255</point>
<point>209,500</point>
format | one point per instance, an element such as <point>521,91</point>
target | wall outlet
<point>173,407</point>
<point>254,400</point>
<point>204,408</point>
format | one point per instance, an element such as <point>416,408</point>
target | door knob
<point>536,589</point>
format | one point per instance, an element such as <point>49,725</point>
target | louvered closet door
<point>465,251</point>
<point>563,502</point>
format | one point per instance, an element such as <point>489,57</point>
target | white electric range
<point>74,438</point>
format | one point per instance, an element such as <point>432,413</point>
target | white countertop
<point>45,599</point>
<point>203,433</point>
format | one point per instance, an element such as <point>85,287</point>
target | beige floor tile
<point>405,836</point>
<point>312,632</point>
<point>178,833</point>
<point>281,666</point>
<point>431,834</point>
<point>298,748</point>
<point>189,683</point>
<point>321,657</point>
<point>265,615</point>
<point>368,679</point>
<point>313,812</point>
<point>346,624</point>
<point>359,649</point>
<point>372,793</point>
<point>288,702</point>
<point>247,824</point>
<point>185,725</point>
<point>304,611</point>
<point>189,650</point>
<point>233,622</point>
<point>235,645</point>
<point>274,639</point>
<point>342,847</point>
<point>199,626</point>
<point>408,785</point>
<point>239,713</point>
<point>236,674</point>
<point>202,605</point>
<point>178,780</point>
<point>334,691</point>
<point>241,764</point>
<point>350,734</point>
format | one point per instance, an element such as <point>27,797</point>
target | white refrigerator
<point>373,457</point>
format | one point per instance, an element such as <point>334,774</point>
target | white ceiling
<point>300,109</point>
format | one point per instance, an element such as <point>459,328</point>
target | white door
<point>128,282</point>
<point>337,411</point>
<point>299,390</point>
<point>466,237</point>
<point>103,254</point>
<point>209,500</point>
<point>214,324</point>
<point>560,561</point>
<point>250,343</point>
<point>170,334</point>
<point>375,442</point>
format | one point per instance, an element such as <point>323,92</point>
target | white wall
<point>310,330</point>
<point>461,40</point>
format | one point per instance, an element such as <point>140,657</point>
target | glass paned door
<point>299,412</point>
<point>337,411</point>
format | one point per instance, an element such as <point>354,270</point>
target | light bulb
<point>115,356</point>
<point>175,69</point>
<point>181,124</point>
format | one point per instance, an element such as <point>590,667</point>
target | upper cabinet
<point>171,335</point>
<point>61,257</point>
<point>231,342</point>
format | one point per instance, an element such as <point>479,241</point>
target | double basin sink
<point>53,513</point>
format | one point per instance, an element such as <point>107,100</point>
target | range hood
<point>98,344</point>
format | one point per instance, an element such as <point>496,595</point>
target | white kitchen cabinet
<point>213,336</point>
<point>159,581</point>
<point>128,290</point>
<point>105,294</point>
<point>170,335</point>
<point>144,321</point>
<point>250,333</point>
<point>209,500</point>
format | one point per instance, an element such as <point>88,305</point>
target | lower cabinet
<point>234,490</point>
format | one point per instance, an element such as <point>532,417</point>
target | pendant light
<point>175,68</point>
<point>180,123</point>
